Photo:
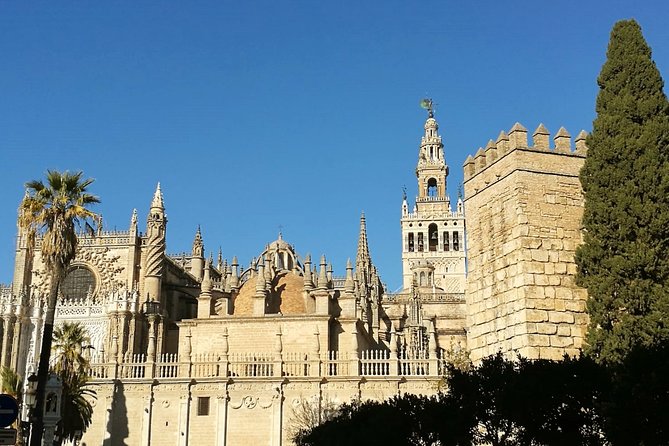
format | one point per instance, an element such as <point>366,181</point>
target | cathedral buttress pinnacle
<point>157,201</point>
<point>154,250</point>
<point>363,259</point>
<point>198,245</point>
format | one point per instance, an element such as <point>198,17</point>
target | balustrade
<point>263,365</point>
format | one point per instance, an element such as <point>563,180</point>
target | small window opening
<point>456,241</point>
<point>411,247</point>
<point>420,242</point>
<point>446,241</point>
<point>202,405</point>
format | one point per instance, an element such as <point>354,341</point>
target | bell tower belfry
<point>433,251</point>
<point>432,169</point>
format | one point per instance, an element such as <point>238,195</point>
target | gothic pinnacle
<point>157,201</point>
<point>133,220</point>
<point>322,274</point>
<point>363,247</point>
<point>349,285</point>
<point>198,246</point>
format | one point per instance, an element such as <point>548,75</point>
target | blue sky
<point>299,114</point>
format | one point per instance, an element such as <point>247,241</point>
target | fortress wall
<point>523,210</point>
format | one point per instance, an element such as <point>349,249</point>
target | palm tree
<point>11,382</point>
<point>71,366</point>
<point>68,343</point>
<point>51,211</point>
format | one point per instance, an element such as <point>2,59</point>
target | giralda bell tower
<point>433,239</point>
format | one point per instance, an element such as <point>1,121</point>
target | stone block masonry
<point>523,209</point>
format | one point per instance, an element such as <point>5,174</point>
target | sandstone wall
<point>240,412</point>
<point>523,213</point>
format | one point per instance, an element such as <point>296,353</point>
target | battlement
<point>524,206</point>
<point>515,142</point>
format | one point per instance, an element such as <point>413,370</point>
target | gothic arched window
<point>78,282</point>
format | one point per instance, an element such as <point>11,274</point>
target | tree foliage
<point>528,402</point>
<point>52,211</point>
<point>636,407</point>
<point>309,413</point>
<point>500,402</point>
<point>624,261</point>
<point>11,383</point>
<point>404,420</point>
<point>70,364</point>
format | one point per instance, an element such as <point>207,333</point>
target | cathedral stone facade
<point>185,350</point>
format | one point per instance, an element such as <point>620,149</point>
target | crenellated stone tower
<point>524,207</point>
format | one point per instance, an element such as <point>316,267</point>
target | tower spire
<point>431,170</point>
<point>363,247</point>
<point>198,246</point>
<point>154,251</point>
<point>157,201</point>
<point>197,264</point>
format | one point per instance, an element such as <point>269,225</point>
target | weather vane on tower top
<point>428,105</point>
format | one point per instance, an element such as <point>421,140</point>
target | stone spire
<point>347,301</point>
<point>405,203</point>
<point>349,284</point>
<point>154,250</point>
<point>198,246</point>
<point>261,289</point>
<point>322,274</point>
<point>363,247</point>
<point>157,201</point>
<point>197,259</point>
<point>321,293</point>
<point>133,220</point>
<point>234,279</point>
<point>219,260</point>
<point>363,261</point>
<point>204,301</point>
<point>308,281</point>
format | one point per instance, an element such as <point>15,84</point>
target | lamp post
<point>29,400</point>
<point>151,307</point>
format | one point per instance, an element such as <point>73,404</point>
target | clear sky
<point>300,114</point>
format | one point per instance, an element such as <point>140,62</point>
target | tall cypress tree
<point>624,262</point>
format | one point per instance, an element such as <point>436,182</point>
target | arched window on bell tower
<point>433,237</point>
<point>432,187</point>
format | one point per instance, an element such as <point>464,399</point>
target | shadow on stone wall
<point>117,425</point>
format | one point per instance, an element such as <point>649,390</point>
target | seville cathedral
<point>188,349</point>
